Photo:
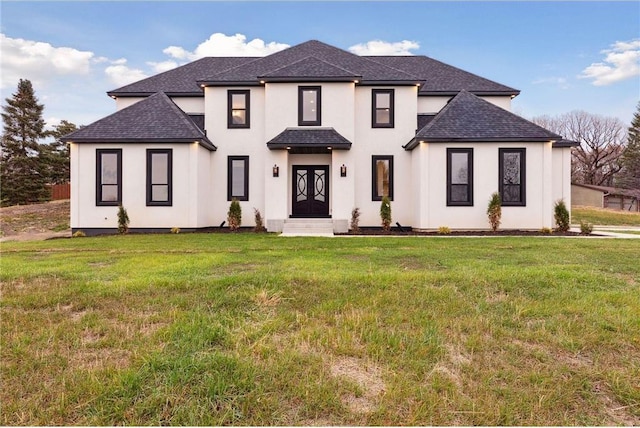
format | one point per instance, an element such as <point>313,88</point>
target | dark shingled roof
<point>155,119</point>
<point>439,78</point>
<point>371,71</point>
<point>469,118</point>
<point>182,80</point>
<point>310,68</point>
<point>309,138</point>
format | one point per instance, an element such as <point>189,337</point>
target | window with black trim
<point>309,106</point>
<point>238,178</point>
<point>512,177</point>
<point>108,177</point>
<point>159,177</point>
<point>381,177</point>
<point>459,177</point>
<point>382,114</point>
<point>238,109</point>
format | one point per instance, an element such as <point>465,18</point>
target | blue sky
<point>563,56</point>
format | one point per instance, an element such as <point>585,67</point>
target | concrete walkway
<point>613,231</point>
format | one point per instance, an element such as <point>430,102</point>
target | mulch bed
<point>376,231</point>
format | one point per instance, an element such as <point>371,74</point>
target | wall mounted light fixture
<point>276,171</point>
<point>343,171</point>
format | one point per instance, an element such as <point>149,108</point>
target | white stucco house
<point>312,132</point>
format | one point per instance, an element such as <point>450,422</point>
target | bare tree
<point>602,141</point>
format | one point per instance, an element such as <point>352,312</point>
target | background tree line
<point>608,154</point>
<point>29,164</point>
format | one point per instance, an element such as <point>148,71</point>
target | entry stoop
<point>307,227</point>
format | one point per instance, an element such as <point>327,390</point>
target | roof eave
<point>309,79</point>
<point>203,83</point>
<point>285,146</point>
<point>512,93</point>
<point>417,140</point>
<point>116,94</point>
<point>204,142</point>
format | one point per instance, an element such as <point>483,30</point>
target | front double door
<point>310,191</point>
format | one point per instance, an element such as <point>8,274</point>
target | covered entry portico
<point>310,173</point>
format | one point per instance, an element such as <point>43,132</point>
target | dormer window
<point>309,106</point>
<point>382,114</point>
<point>238,109</point>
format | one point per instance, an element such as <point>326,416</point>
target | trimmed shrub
<point>175,230</point>
<point>494,211</point>
<point>385,213</point>
<point>234,216</point>
<point>585,227</point>
<point>123,220</point>
<point>561,215</point>
<point>444,230</point>
<point>78,234</point>
<point>259,227</point>
<point>546,230</point>
<point>355,220</point>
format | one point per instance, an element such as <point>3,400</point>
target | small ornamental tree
<point>561,215</point>
<point>234,216</point>
<point>259,222</point>
<point>494,211</point>
<point>355,220</point>
<point>123,220</point>
<point>385,213</point>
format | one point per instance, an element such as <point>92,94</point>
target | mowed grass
<point>601,216</point>
<point>221,329</point>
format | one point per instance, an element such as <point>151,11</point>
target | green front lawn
<point>604,217</point>
<point>221,329</point>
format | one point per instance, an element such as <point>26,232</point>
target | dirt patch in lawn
<point>366,376</point>
<point>36,221</point>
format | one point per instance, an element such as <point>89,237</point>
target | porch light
<point>276,171</point>
<point>356,81</point>
<point>262,82</point>
<point>343,171</point>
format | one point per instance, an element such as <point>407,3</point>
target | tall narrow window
<point>459,177</point>
<point>382,177</point>
<point>512,177</point>
<point>108,177</point>
<point>238,109</point>
<point>238,178</point>
<point>382,114</point>
<point>309,106</point>
<point>159,177</point>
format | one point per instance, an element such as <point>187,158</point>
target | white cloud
<point>622,61</point>
<point>38,61</point>
<point>120,74</point>
<point>560,82</point>
<point>159,67</point>
<point>378,47</point>
<point>219,44</point>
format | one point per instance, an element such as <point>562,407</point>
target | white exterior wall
<point>187,160</point>
<point>190,105</point>
<point>235,142</point>
<point>562,175</point>
<point>428,104</point>
<point>433,212</point>
<point>384,141</point>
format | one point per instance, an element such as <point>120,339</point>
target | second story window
<point>309,106</point>
<point>238,109</point>
<point>382,108</point>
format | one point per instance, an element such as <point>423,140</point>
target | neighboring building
<point>605,197</point>
<point>314,131</point>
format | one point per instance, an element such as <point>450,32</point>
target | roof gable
<point>335,57</point>
<point>472,119</point>
<point>310,68</point>
<point>156,119</point>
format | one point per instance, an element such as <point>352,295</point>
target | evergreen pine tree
<point>629,177</point>
<point>21,176</point>
<point>54,157</point>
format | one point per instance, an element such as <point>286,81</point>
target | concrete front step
<point>307,227</point>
